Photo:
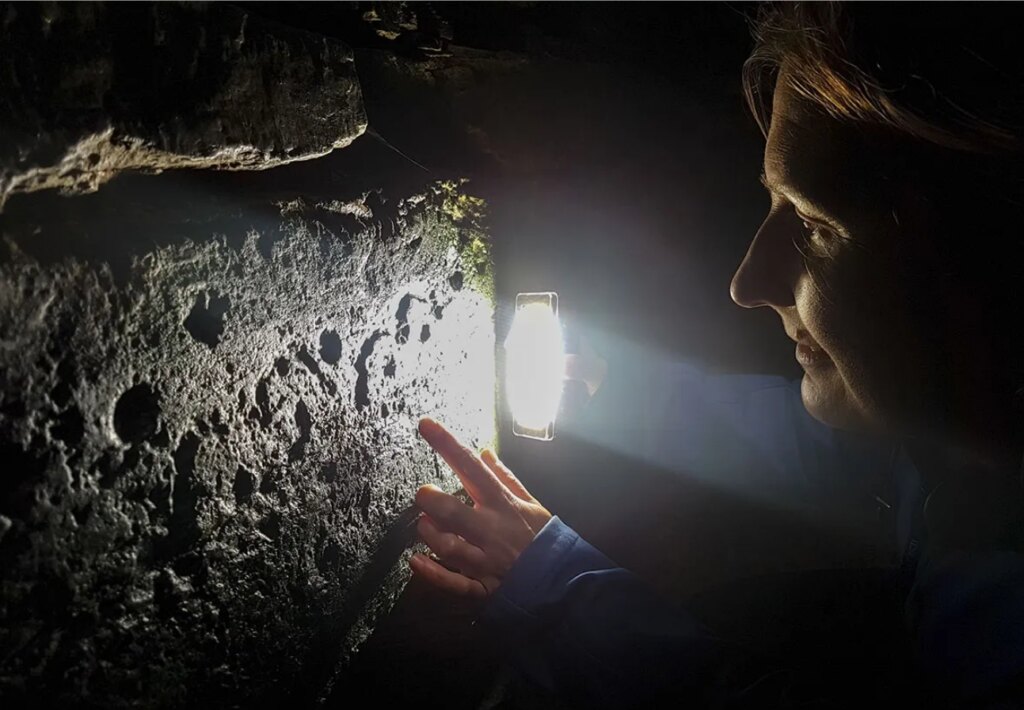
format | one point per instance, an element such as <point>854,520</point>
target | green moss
<point>469,238</point>
<point>460,206</point>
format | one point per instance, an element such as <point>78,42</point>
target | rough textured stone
<point>88,90</point>
<point>208,455</point>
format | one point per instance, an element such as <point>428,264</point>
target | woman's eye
<point>813,230</point>
<point>816,240</point>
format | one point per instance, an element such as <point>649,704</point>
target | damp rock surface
<point>89,90</point>
<point>209,455</point>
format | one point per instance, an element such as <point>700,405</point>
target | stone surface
<point>88,90</point>
<point>209,451</point>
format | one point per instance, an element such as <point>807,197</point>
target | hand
<point>480,543</point>
<point>586,366</point>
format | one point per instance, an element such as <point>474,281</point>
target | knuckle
<point>466,459</point>
<point>474,588</point>
<point>477,556</point>
<point>437,505</point>
<point>448,508</point>
<point>449,546</point>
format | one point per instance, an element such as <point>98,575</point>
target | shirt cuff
<point>537,581</point>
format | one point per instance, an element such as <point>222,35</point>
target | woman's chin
<point>827,399</point>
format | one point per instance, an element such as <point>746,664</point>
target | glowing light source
<point>535,365</point>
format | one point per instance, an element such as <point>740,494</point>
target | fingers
<point>479,481</point>
<point>451,548</point>
<point>506,476</point>
<point>448,511</point>
<point>446,579</point>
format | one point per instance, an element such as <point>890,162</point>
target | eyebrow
<point>810,207</point>
<point>775,187</point>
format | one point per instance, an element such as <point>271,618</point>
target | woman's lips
<point>810,356</point>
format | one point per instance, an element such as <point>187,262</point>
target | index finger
<point>479,481</point>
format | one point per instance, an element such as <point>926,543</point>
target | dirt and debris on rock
<point>209,453</point>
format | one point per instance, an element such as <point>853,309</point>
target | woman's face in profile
<point>844,258</point>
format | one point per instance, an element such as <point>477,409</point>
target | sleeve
<point>578,625</point>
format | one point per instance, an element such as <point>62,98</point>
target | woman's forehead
<point>817,162</point>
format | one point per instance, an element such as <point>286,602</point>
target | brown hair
<point>947,80</point>
<point>947,74</point>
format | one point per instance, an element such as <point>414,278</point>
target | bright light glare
<point>535,364</point>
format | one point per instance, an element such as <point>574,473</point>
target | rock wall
<point>208,459</point>
<point>210,381</point>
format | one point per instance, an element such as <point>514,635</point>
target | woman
<point>892,254</point>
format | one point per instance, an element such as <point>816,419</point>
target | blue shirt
<point>579,624</point>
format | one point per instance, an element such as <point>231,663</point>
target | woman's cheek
<point>876,342</point>
<point>844,312</point>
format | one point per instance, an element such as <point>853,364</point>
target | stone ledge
<point>91,90</point>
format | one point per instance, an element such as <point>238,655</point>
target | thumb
<point>506,476</point>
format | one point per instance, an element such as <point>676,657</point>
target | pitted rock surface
<point>208,459</point>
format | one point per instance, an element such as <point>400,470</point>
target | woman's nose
<point>768,274</point>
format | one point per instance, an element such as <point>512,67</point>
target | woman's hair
<point>946,80</point>
<point>947,74</point>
